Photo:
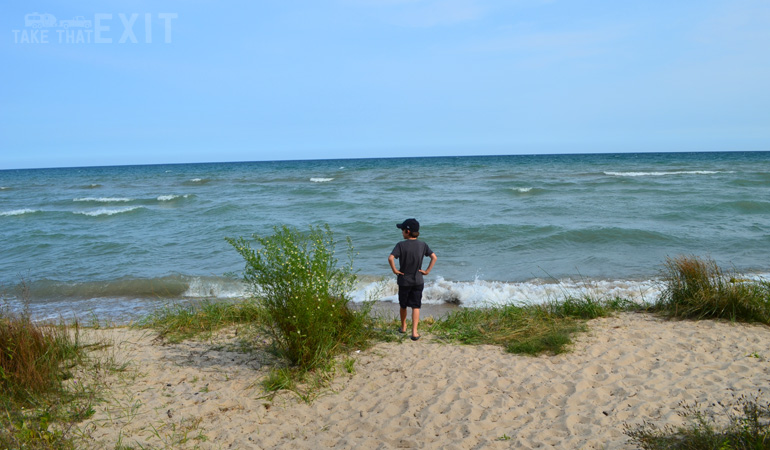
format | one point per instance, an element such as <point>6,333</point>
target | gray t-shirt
<point>410,253</point>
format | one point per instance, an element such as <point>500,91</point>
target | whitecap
<point>661,174</point>
<point>108,211</point>
<point>522,190</point>
<point>321,180</point>
<point>103,199</point>
<point>166,198</point>
<point>18,212</point>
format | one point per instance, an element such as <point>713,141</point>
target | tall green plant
<point>297,279</point>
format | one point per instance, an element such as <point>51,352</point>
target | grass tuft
<point>35,359</point>
<point>32,355</point>
<point>747,428</point>
<point>178,322</point>
<point>699,289</point>
<point>529,329</point>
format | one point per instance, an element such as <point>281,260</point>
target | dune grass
<point>697,288</point>
<point>527,329</point>
<point>35,407</point>
<point>179,322</point>
<point>747,428</point>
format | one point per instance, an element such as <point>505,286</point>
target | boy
<point>410,253</point>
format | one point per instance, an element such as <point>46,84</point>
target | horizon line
<point>384,157</point>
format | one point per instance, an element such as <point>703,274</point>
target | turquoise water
<point>119,240</point>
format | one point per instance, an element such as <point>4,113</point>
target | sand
<point>429,394</point>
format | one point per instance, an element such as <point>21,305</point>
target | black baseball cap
<point>409,225</point>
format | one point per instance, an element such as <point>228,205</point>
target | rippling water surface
<point>118,240</point>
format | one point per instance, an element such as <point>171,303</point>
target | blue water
<point>120,240</point>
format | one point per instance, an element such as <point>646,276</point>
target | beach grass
<point>35,406</point>
<point>747,428</point>
<point>178,322</point>
<point>696,288</point>
<point>527,329</point>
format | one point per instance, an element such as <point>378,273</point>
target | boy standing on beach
<point>410,253</point>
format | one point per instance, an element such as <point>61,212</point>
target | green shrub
<point>295,277</point>
<point>699,289</point>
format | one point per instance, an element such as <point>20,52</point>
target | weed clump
<point>295,277</point>
<point>698,289</point>
<point>747,428</point>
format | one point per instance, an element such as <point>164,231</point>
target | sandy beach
<point>429,394</point>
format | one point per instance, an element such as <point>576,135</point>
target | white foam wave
<point>108,211</point>
<point>480,293</point>
<point>522,190</point>
<point>166,198</point>
<point>18,212</point>
<point>103,199</point>
<point>662,174</point>
<point>201,287</point>
<point>3,188</point>
<point>321,180</point>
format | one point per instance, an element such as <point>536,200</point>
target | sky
<point>172,81</point>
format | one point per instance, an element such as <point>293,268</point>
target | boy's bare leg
<point>403,319</point>
<point>415,320</point>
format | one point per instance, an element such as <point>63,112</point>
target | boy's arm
<point>433,259</point>
<point>392,262</point>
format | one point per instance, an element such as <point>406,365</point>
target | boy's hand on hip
<point>424,272</point>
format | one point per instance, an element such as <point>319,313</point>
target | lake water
<point>119,241</point>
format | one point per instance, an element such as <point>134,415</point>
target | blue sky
<point>267,80</point>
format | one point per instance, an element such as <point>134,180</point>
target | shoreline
<point>440,295</point>
<point>427,394</point>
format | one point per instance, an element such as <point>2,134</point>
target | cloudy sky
<point>145,82</point>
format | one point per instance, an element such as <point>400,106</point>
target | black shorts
<point>410,296</point>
